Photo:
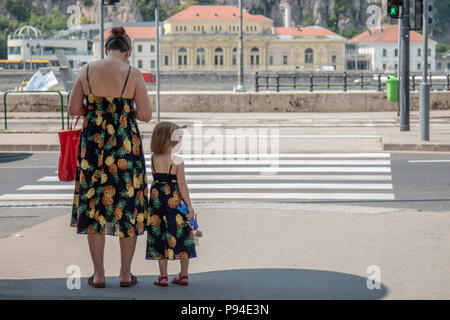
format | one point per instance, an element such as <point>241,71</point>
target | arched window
<point>254,56</point>
<point>182,56</point>
<point>309,56</point>
<point>201,57</point>
<point>218,57</point>
<point>234,56</point>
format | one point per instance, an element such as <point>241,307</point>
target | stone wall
<point>245,102</point>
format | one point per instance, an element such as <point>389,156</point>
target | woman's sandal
<point>179,280</point>
<point>94,284</point>
<point>129,283</point>
<point>158,282</point>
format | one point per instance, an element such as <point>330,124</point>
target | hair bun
<point>118,32</point>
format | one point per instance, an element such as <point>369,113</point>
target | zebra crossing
<point>286,177</point>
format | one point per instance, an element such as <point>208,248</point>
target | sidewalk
<point>354,131</point>
<point>311,254</point>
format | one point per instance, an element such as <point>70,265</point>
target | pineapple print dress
<point>111,184</point>
<point>169,235</point>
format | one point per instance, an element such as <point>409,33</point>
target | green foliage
<point>257,11</point>
<point>350,33</point>
<point>442,47</point>
<point>147,9</point>
<point>88,3</point>
<point>441,19</point>
<point>308,19</point>
<point>20,9</point>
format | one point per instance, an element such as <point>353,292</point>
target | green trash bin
<point>392,88</point>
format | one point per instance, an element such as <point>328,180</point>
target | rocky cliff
<point>337,14</point>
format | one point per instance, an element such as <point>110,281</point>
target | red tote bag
<point>69,141</point>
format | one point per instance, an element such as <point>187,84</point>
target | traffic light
<point>417,11</point>
<point>395,9</point>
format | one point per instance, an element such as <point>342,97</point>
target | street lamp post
<point>102,29</point>
<point>240,86</point>
<point>425,86</point>
<point>157,60</point>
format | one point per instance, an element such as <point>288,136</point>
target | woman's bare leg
<point>184,263</point>
<point>127,247</point>
<point>96,242</point>
<point>163,269</point>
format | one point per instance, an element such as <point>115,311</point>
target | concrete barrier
<point>245,102</point>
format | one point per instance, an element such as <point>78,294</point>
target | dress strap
<point>87,76</point>
<point>170,169</point>
<point>125,85</point>
<point>153,166</point>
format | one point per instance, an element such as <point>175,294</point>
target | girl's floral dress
<point>111,183</point>
<point>169,235</point>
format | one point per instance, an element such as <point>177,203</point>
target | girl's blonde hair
<point>163,137</point>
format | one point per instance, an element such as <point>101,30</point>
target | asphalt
<point>250,254</point>
<point>297,131</point>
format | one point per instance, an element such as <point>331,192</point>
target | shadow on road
<point>11,157</point>
<point>246,284</point>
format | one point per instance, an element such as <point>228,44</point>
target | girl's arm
<point>184,189</point>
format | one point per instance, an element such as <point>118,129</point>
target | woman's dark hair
<point>118,40</point>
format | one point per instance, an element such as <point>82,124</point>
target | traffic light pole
<point>425,87</point>
<point>405,43</point>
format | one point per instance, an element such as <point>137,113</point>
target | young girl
<point>169,235</point>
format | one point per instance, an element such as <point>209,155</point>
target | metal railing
<point>336,81</point>
<point>50,91</point>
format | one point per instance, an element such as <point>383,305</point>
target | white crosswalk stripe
<point>257,177</point>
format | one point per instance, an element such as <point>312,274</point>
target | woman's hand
<point>191,214</point>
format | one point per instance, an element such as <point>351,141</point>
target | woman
<point>111,183</point>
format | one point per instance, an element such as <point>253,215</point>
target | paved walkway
<point>252,254</point>
<point>298,131</point>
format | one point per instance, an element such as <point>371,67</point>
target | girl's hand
<point>191,214</point>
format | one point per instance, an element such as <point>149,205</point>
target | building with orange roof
<point>377,50</point>
<point>205,38</point>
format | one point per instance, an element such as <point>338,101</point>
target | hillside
<point>346,17</point>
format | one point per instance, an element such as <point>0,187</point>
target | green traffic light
<point>393,11</point>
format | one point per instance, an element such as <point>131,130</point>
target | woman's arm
<point>76,107</point>
<point>184,189</point>
<point>143,107</point>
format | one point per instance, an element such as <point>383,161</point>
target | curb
<point>29,147</point>
<point>416,147</point>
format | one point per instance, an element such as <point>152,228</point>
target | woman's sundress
<point>111,192</point>
<point>169,235</point>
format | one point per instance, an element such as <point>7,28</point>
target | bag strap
<point>76,122</point>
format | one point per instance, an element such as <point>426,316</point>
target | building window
<point>140,64</point>
<point>218,57</point>
<point>14,50</point>
<point>176,28</point>
<point>429,52</point>
<point>384,66</point>
<point>384,52</point>
<point>234,56</point>
<point>201,57</point>
<point>333,59</point>
<point>140,48</point>
<point>396,66</point>
<point>270,60</point>
<point>166,60</point>
<point>254,57</point>
<point>419,52</point>
<point>182,57</point>
<point>419,66</point>
<point>152,64</point>
<point>439,66</point>
<point>396,53</point>
<point>428,66</point>
<point>285,60</point>
<point>448,66</point>
<point>309,56</point>
<point>152,48</point>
